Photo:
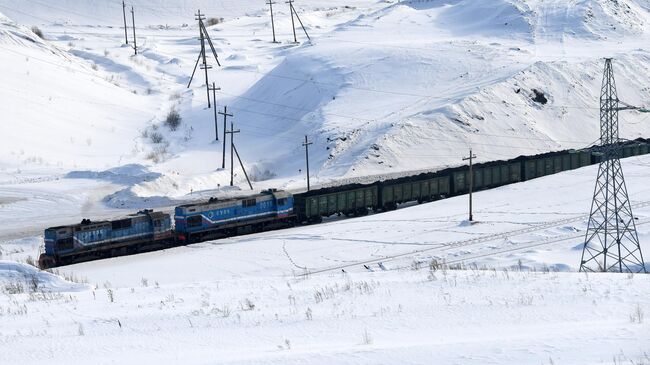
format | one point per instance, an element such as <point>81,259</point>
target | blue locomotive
<point>145,230</point>
<point>148,230</point>
<point>228,217</point>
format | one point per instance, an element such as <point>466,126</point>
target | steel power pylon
<point>611,242</point>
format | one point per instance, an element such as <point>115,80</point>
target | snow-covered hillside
<point>383,87</point>
<point>60,111</point>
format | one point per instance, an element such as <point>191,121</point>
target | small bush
<point>247,305</point>
<point>637,315</point>
<point>15,287</point>
<point>38,32</point>
<point>366,338</point>
<point>33,283</point>
<point>213,21</point>
<point>157,155</point>
<point>30,261</point>
<point>173,120</point>
<point>156,137</point>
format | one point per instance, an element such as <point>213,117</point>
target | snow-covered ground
<point>303,295</point>
<point>383,88</point>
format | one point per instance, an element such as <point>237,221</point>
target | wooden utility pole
<point>204,65</point>
<point>232,133</point>
<point>301,25</point>
<point>471,181</point>
<point>126,37</point>
<point>294,12</point>
<point>242,167</point>
<point>214,89</point>
<point>225,116</point>
<point>270,3</point>
<point>306,145</point>
<point>135,43</point>
<point>293,24</point>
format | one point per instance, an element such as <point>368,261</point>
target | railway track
<point>478,240</point>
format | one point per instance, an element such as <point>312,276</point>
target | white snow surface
<point>383,88</point>
<point>304,296</point>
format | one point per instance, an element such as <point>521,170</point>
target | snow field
<point>410,316</point>
<point>384,88</point>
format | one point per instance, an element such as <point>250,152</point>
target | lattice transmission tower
<point>611,242</point>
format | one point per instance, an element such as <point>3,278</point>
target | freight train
<point>273,209</point>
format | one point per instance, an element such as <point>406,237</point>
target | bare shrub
<point>247,305</point>
<point>173,119</point>
<point>156,137</point>
<point>30,261</point>
<point>157,155</point>
<point>637,315</point>
<point>213,21</point>
<point>366,338</point>
<point>14,287</point>
<point>33,283</point>
<point>94,66</point>
<point>36,30</point>
<point>111,295</point>
<point>225,311</point>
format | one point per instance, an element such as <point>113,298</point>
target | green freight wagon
<point>313,205</point>
<point>553,163</point>
<point>487,176</point>
<point>419,189</point>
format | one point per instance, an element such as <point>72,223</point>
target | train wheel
<point>46,262</point>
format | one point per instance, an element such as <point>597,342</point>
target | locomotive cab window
<point>194,221</point>
<point>65,244</point>
<point>248,203</point>
<point>282,201</point>
<point>121,224</point>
